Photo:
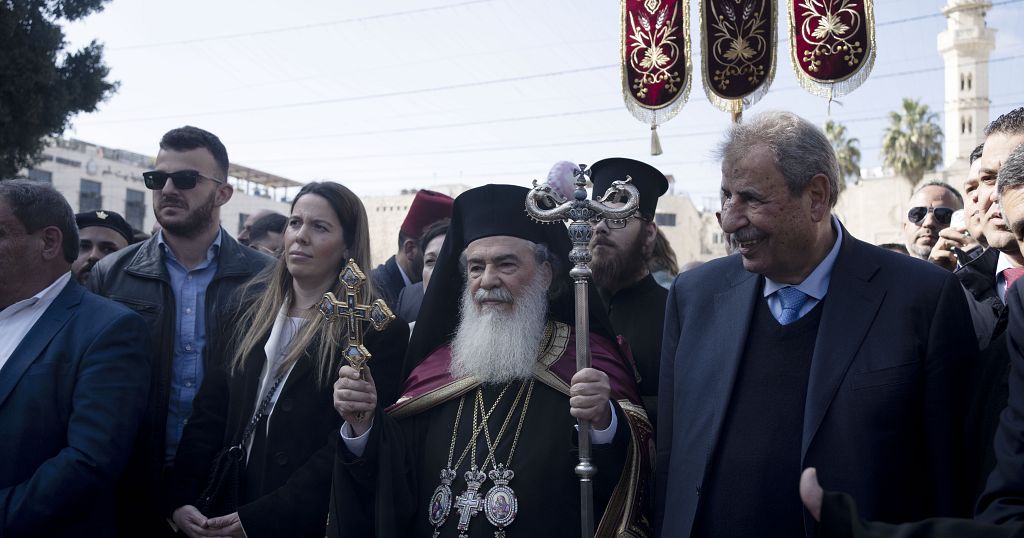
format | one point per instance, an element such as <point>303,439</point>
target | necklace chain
<point>476,430</point>
<point>501,432</point>
<point>492,447</point>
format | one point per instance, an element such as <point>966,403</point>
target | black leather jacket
<point>137,277</point>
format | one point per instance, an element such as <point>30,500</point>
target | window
<point>89,198</point>
<point>67,162</point>
<point>135,208</point>
<point>242,217</point>
<point>665,219</point>
<point>36,174</point>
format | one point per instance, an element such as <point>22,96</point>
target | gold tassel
<point>655,141</point>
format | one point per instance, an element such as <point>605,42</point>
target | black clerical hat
<point>489,211</point>
<point>647,179</point>
<point>107,219</point>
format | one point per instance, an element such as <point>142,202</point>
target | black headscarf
<point>485,212</point>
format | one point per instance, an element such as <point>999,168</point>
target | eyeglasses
<point>618,224</point>
<point>916,215</point>
<point>182,179</point>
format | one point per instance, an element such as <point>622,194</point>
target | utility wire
<point>365,97</point>
<point>463,85</point>
<point>939,14</point>
<point>301,26</point>
<point>486,149</point>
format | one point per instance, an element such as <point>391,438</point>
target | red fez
<point>427,208</point>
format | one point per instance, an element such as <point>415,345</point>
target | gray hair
<point>800,149</point>
<point>38,205</point>
<point>1011,174</point>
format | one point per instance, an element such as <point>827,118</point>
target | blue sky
<point>407,94</point>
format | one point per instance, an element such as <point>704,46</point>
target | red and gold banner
<point>737,51</point>
<point>832,44</point>
<point>656,65</point>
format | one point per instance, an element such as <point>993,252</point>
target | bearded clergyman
<point>634,301</point>
<point>482,442</point>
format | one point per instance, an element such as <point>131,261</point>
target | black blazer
<point>1003,499</point>
<point>388,281</point>
<point>297,480</point>
<point>882,418</point>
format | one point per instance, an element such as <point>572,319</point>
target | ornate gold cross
<point>354,313</point>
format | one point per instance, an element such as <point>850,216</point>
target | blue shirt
<point>815,285</point>
<point>189,289</point>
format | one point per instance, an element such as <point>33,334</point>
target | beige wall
<point>385,215</point>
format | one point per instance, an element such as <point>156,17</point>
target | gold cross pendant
<point>354,313</point>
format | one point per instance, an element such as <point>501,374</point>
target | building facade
<point>95,177</point>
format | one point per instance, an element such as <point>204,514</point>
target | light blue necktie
<point>792,301</point>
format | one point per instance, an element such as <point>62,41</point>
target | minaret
<point>965,46</point>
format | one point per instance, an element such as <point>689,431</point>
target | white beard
<point>498,345</point>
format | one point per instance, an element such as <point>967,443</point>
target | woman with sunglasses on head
<point>273,397</point>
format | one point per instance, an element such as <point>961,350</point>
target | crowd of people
<point>807,384</point>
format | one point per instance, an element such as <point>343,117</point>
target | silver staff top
<point>545,204</point>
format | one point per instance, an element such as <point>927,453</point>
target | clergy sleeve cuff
<point>597,437</point>
<point>357,445</point>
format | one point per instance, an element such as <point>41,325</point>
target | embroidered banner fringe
<point>658,114</point>
<point>736,105</point>
<point>832,88</point>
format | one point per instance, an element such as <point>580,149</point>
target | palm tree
<point>847,152</point>
<point>912,143</point>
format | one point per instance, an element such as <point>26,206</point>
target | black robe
<point>385,493</point>
<point>638,314</point>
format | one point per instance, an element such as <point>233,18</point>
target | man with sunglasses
<point>181,280</point>
<point>634,301</point>
<point>931,209</point>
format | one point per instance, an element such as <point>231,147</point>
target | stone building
<point>94,177</point>
<point>874,209</point>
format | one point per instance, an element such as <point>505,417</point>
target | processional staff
<point>544,204</point>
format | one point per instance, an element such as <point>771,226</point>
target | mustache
<point>495,294</point>
<point>172,201</point>
<point>747,233</point>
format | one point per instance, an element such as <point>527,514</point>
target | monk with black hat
<point>482,439</point>
<point>99,233</point>
<point>633,299</point>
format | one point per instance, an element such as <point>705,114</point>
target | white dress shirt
<point>18,319</point>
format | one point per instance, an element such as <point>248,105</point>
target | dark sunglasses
<point>183,179</point>
<point>916,215</point>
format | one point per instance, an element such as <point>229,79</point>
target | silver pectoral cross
<point>470,503</point>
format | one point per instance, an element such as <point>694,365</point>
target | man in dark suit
<point>809,348</point>
<point>405,267</point>
<point>74,376</point>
